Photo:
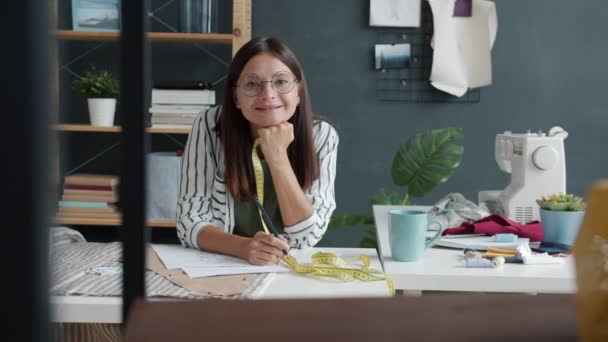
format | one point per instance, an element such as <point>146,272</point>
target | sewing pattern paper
<point>462,46</point>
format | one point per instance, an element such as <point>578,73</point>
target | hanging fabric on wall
<point>462,46</point>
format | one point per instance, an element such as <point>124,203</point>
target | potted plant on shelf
<point>101,88</point>
<point>561,216</point>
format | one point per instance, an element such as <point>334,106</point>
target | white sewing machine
<point>537,164</point>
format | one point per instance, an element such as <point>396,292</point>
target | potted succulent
<point>561,216</point>
<point>101,89</point>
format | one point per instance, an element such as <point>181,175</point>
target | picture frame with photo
<point>392,56</point>
<point>395,13</point>
<point>96,15</point>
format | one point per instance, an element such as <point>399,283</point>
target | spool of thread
<point>494,255</point>
<point>477,262</point>
<point>502,251</point>
<point>472,255</point>
<point>498,261</point>
<point>516,259</point>
<point>469,249</point>
<point>505,237</point>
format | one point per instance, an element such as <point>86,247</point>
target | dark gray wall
<point>549,68</point>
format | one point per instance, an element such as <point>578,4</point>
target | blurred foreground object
<point>591,257</point>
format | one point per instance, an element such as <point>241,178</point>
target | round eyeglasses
<point>282,82</point>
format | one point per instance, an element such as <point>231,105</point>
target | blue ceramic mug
<point>407,234</point>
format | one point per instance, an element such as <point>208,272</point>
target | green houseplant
<point>101,88</point>
<point>426,160</point>
<point>561,216</point>
<point>562,202</point>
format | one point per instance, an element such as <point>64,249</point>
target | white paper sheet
<point>176,256</point>
<point>196,263</point>
<point>196,272</point>
<point>462,46</point>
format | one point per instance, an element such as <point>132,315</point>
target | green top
<point>247,219</point>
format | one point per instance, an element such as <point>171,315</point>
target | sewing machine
<point>537,164</point>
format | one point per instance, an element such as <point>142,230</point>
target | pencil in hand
<point>267,220</point>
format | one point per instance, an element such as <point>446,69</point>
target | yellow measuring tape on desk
<point>323,264</point>
<point>331,265</point>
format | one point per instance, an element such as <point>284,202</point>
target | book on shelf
<point>154,110</point>
<point>172,126</point>
<point>172,106</point>
<point>90,192</point>
<point>183,96</point>
<point>183,84</point>
<point>198,16</point>
<point>84,204</point>
<point>88,187</point>
<point>174,116</point>
<point>213,15</point>
<point>86,211</point>
<point>90,198</point>
<point>92,179</point>
<point>173,120</point>
<point>117,216</point>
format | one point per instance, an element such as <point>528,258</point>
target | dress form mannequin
<point>462,46</point>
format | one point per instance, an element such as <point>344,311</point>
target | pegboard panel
<point>412,84</point>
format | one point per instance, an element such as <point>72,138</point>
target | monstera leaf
<point>427,160</point>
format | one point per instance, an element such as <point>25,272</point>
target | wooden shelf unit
<point>115,129</point>
<point>241,34</point>
<point>161,37</point>
<point>241,31</point>
<point>89,221</point>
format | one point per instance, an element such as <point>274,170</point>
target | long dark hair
<point>234,132</point>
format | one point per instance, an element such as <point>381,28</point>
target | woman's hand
<point>264,249</point>
<point>274,141</point>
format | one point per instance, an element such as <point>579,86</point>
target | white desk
<point>442,269</point>
<point>84,309</point>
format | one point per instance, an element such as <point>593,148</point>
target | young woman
<point>265,100</point>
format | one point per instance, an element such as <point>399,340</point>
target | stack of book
<point>177,104</point>
<point>90,196</point>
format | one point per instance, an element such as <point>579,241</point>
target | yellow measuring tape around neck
<point>259,179</point>
<point>323,264</point>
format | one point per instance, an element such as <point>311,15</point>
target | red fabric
<point>495,224</point>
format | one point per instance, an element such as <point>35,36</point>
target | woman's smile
<point>268,107</point>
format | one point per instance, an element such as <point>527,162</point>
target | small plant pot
<point>561,226</point>
<point>101,111</point>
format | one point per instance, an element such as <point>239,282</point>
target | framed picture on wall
<point>392,56</point>
<point>96,15</point>
<point>394,13</point>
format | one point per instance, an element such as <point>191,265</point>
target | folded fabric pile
<point>454,209</point>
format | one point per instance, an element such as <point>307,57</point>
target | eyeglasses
<point>282,82</point>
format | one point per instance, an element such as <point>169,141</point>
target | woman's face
<point>267,93</point>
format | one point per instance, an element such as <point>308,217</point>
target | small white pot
<point>101,111</point>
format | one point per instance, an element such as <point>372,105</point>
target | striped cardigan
<point>204,199</point>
